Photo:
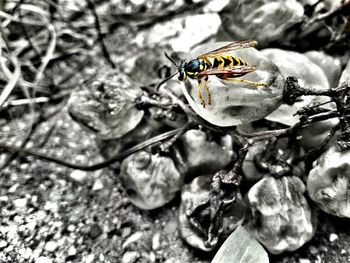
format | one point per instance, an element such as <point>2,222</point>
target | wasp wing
<point>230,47</point>
<point>235,70</point>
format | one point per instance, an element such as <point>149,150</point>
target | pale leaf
<point>241,247</point>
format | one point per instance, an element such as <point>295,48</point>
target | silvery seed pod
<point>233,102</point>
<point>309,75</point>
<point>328,182</point>
<point>264,20</point>
<point>197,193</point>
<point>281,217</point>
<point>106,107</point>
<point>331,66</point>
<point>204,156</point>
<point>150,180</point>
<point>314,134</point>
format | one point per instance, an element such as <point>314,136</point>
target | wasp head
<point>182,71</point>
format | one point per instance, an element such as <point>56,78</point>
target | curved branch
<point>96,166</point>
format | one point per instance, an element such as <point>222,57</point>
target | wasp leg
<point>247,81</point>
<point>208,91</point>
<point>199,93</point>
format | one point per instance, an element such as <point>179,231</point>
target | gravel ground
<point>58,215</point>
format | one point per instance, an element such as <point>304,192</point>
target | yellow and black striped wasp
<point>223,66</point>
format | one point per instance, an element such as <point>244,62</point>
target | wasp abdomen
<point>228,62</point>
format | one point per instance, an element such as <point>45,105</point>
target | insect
<point>223,66</point>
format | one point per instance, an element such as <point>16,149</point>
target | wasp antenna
<point>165,80</point>
<point>168,57</point>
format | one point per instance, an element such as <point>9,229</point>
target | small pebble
<point>34,200</point>
<point>20,203</point>
<point>130,257</point>
<point>51,206</point>
<point>4,198</point>
<point>333,237</point>
<point>72,251</point>
<point>133,238</point>
<point>9,249</point>
<point>13,188</point>
<point>324,249</point>
<point>156,241</point>
<point>95,231</point>
<point>152,257</point>
<point>343,251</point>
<point>3,244</point>
<point>126,232</point>
<point>24,166</point>
<point>313,250</point>
<point>90,258</point>
<point>43,260</point>
<point>51,246</point>
<point>171,227</point>
<point>71,228</point>
<point>27,253</point>
<point>98,185</point>
<point>304,260</point>
<point>78,175</point>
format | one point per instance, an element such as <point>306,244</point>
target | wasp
<point>223,66</point>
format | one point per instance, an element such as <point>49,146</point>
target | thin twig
<point>26,35</point>
<point>97,166</point>
<point>10,18</point>
<point>100,38</point>
<point>12,78</point>
<point>48,55</point>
